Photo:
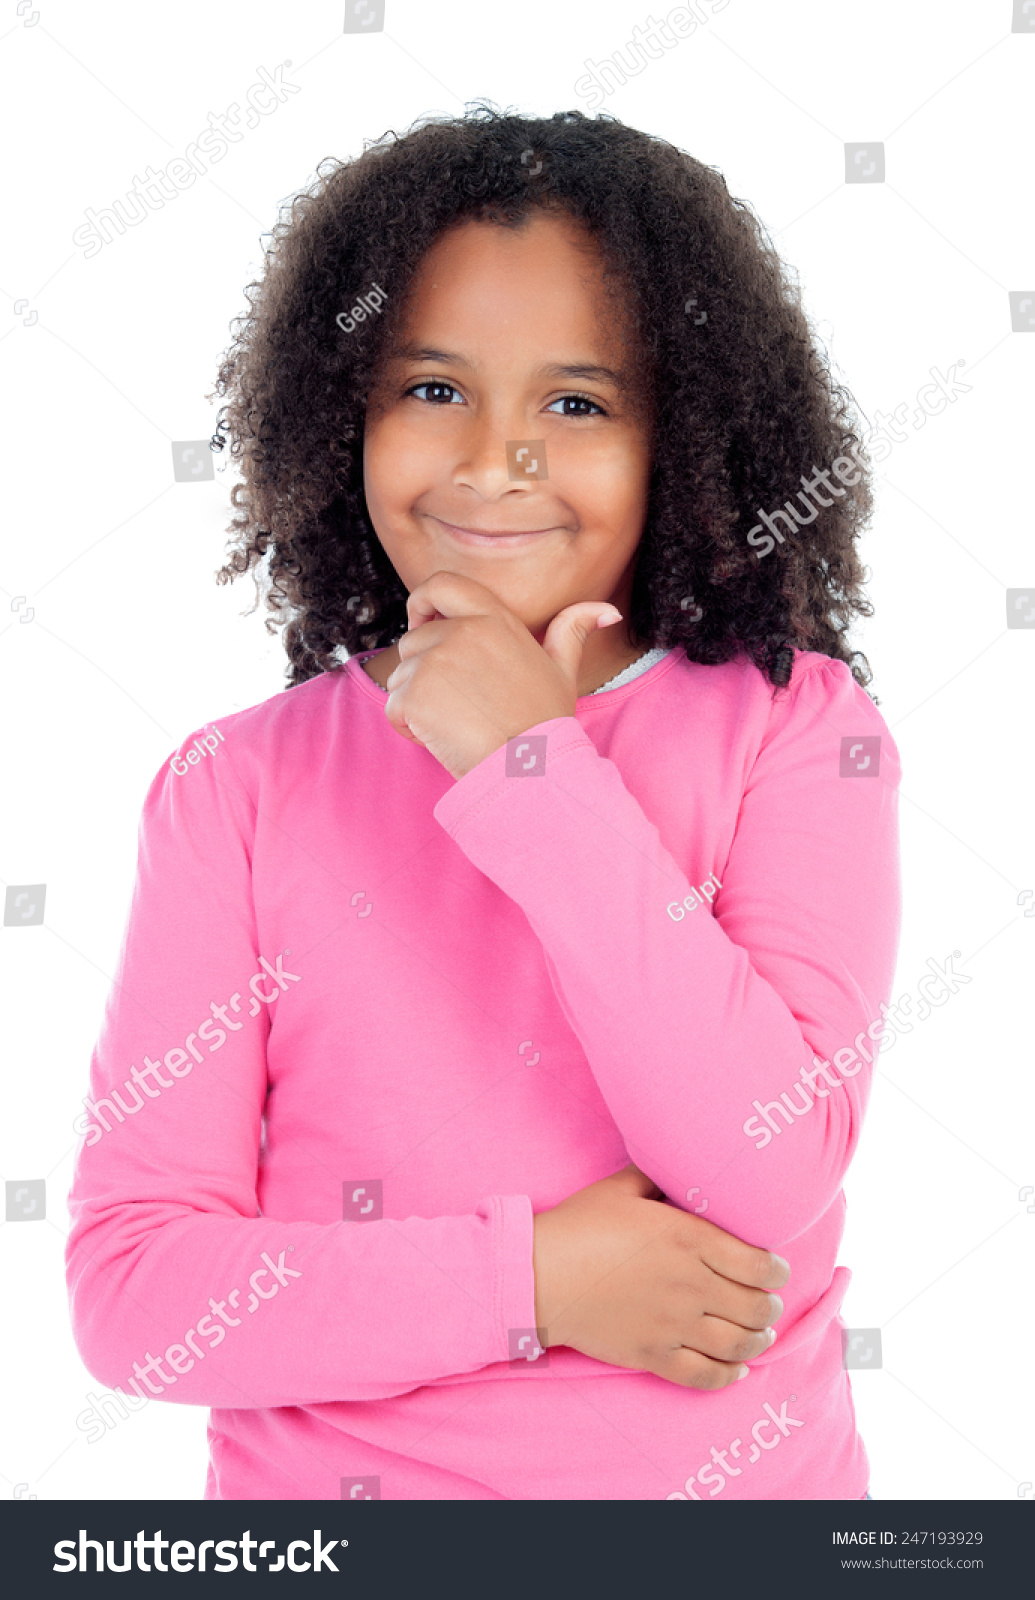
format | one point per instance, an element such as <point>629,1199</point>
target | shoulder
<point>822,718</point>
<point>231,758</point>
<point>824,710</point>
<point>739,684</point>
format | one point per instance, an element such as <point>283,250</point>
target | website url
<point>882,1564</point>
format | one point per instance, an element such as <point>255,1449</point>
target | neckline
<point>587,702</point>
<point>635,669</point>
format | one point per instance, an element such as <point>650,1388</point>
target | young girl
<point>496,1011</point>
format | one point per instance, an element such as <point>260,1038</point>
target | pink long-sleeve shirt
<point>367,1020</point>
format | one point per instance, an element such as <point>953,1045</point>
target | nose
<point>483,462</point>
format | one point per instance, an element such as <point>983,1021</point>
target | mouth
<point>485,539</point>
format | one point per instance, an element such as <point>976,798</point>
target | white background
<point>131,644</point>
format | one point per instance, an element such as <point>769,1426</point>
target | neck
<point>598,666</point>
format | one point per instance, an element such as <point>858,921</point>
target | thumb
<point>564,639</point>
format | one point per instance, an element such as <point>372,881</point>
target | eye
<point>442,393</point>
<point>577,400</point>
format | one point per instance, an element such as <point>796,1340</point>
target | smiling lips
<point>483,539</point>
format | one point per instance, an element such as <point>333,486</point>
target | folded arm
<point>690,1026</point>
<point>174,1278</point>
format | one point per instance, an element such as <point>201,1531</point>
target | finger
<point>418,611</point>
<point>565,638</point>
<point>398,721</point>
<point>393,705</point>
<point>421,637</point>
<point>401,674</point>
<point>744,1263</point>
<point>449,594</point>
<point>695,1371</point>
<point>728,1341</point>
<point>402,727</point>
<point>751,1309</point>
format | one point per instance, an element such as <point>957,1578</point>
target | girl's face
<point>508,357</point>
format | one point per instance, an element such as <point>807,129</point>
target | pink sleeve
<point>687,1024</point>
<point>165,1222</point>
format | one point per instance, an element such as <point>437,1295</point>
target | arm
<point>686,1024</point>
<point>167,1256</point>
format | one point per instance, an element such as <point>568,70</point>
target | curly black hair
<point>743,403</point>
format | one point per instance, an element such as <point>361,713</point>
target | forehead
<point>546,275</point>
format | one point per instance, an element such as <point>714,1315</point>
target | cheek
<point>384,465</point>
<point>611,483</point>
<point>400,462</point>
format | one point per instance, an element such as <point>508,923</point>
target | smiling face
<point>508,341</point>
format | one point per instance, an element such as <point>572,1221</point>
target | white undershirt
<point>629,673</point>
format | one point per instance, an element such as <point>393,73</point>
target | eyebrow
<point>552,370</point>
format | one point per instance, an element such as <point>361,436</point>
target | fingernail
<point>780,1262</point>
<point>772,1336</point>
<point>743,1373</point>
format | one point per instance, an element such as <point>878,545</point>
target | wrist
<point>543,1251</point>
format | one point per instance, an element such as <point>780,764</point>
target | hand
<point>627,1279</point>
<point>471,676</point>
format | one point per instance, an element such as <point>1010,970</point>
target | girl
<point>496,1011</point>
